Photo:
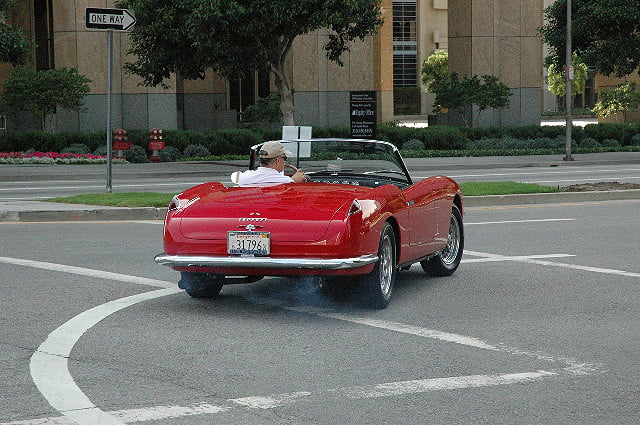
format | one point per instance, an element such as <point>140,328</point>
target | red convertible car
<point>360,215</point>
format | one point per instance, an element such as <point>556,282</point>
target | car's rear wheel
<point>447,261</point>
<point>378,285</point>
<point>201,285</point>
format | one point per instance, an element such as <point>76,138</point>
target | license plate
<point>249,243</point>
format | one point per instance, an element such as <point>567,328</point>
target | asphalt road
<point>539,325</point>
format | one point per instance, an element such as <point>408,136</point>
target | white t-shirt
<point>262,176</point>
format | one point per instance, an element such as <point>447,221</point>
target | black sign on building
<point>364,120</point>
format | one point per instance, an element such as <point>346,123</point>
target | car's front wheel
<point>201,285</point>
<point>447,261</point>
<point>378,285</point>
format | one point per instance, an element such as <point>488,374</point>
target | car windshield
<point>334,161</point>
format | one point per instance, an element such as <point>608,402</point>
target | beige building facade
<point>497,37</point>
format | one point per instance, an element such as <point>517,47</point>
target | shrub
<point>413,144</point>
<point>635,140</point>
<point>239,140</point>
<point>195,151</point>
<point>589,143</point>
<point>136,154</point>
<point>76,148</point>
<point>611,143</point>
<point>170,154</point>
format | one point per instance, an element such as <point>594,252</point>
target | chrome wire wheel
<point>377,286</point>
<point>450,252</point>
<point>447,261</point>
<point>386,264</point>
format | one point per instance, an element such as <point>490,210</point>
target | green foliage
<point>170,154</point>
<point>14,46</point>
<point>589,143</point>
<point>237,37</point>
<point>266,110</point>
<point>624,97</point>
<point>41,92</point>
<point>195,151</point>
<point>137,154</point>
<point>557,78</point>
<point>605,32</point>
<point>77,148</point>
<point>434,68</point>
<point>413,144</point>
<point>621,132</point>
<point>457,94</point>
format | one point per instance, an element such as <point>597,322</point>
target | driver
<point>273,160</point>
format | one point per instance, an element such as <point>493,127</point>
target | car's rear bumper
<point>266,262</point>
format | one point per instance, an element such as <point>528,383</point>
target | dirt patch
<point>587,187</point>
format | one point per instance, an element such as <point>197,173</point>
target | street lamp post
<point>568,85</point>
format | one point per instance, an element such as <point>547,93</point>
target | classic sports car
<point>360,216</point>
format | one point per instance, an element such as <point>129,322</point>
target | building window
<point>244,92</point>
<point>3,122</point>
<point>405,58</point>
<point>43,28</point>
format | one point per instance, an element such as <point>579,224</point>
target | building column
<point>499,37</point>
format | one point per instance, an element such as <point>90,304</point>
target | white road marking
<point>388,389</point>
<point>540,172</point>
<point>87,272</point>
<point>396,327</point>
<point>525,259</point>
<point>520,221</point>
<point>49,364</point>
<point>498,259</point>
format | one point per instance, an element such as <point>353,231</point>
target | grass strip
<point>161,200</point>
<point>124,199</point>
<point>503,188</point>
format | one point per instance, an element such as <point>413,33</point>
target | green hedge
<point>435,138</point>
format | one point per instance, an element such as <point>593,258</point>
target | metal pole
<point>568,85</point>
<point>109,94</point>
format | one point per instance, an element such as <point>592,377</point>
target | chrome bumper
<point>266,262</point>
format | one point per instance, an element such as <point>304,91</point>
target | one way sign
<point>108,19</point>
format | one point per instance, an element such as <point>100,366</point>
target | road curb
<point>550,198</point>
<point>97,214</point>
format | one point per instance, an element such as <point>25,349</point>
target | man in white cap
<point>273,159</point>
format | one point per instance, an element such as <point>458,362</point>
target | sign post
<point>110,20</point>
<point>363,114</point>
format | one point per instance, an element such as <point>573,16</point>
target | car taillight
<point>175,203</point>
<point>355,207</point>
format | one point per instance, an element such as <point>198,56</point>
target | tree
<point>457,94</point>
<point>605,33</point>
<point>14,46</point>
<point>237,37</point>
<point>434,68</point>
<point>557,80</point>
<point>40,92</point>
<point>624,97</point>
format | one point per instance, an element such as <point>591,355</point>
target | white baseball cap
<point>273,149</point>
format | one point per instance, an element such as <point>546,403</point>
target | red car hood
<point>291,212</point>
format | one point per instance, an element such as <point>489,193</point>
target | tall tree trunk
<point>284,90</point>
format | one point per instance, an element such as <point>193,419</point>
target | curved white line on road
<point>49,364</point>
<point>50,369</point>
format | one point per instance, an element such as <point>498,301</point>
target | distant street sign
<point>108,19</point>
